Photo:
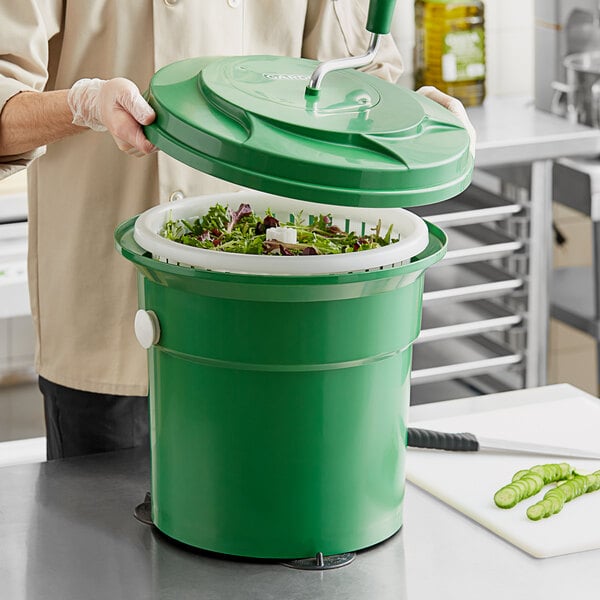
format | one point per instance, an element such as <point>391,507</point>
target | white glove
<point>455,106</point>
<point>113,105</point>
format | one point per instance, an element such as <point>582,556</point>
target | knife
<point>468,442</point>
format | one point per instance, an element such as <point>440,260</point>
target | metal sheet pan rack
<point>475,326</point>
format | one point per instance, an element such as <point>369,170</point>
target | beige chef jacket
<point>83,293</point>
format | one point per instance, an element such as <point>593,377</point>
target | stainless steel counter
<point>67,533</point>
<point>512,131</point>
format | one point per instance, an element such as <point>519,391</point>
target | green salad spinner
<point>279,394</point>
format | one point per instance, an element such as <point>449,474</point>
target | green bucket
<point>278,404</point>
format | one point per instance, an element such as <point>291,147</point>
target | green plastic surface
<point>361,142</point>
<point>278,404</point>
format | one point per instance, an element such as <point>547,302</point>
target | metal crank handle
<point>379,22</point>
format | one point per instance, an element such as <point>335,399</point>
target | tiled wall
<point>509,44</point>
<point>17,341</point>
<point>17,344</point>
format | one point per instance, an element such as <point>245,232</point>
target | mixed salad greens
<point>244,232</point>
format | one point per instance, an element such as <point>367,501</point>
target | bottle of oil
<point>450,48</point>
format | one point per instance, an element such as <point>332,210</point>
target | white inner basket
<point>409,228</point>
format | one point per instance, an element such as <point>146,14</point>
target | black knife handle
<point>425,438</point>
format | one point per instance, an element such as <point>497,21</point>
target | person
<point>69,70</point>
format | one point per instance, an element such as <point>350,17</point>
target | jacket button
<point>176,195</point>
<point>234,3</point>
<point>170,2</point>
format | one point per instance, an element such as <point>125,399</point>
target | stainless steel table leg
<point>540,256</point>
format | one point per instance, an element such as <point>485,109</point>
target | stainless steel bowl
<point>583,88</point>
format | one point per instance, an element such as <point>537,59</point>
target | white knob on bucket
<point>147,328</point>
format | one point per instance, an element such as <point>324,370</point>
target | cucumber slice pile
<point>554,499</point>
<point>528,482</point>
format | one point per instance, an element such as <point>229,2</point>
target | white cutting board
<point>467,481</point>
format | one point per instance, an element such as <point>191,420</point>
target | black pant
<point>80,422</point>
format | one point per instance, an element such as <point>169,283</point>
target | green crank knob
<point>379,19</point>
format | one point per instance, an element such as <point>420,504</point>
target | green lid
<point>360,141</point>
